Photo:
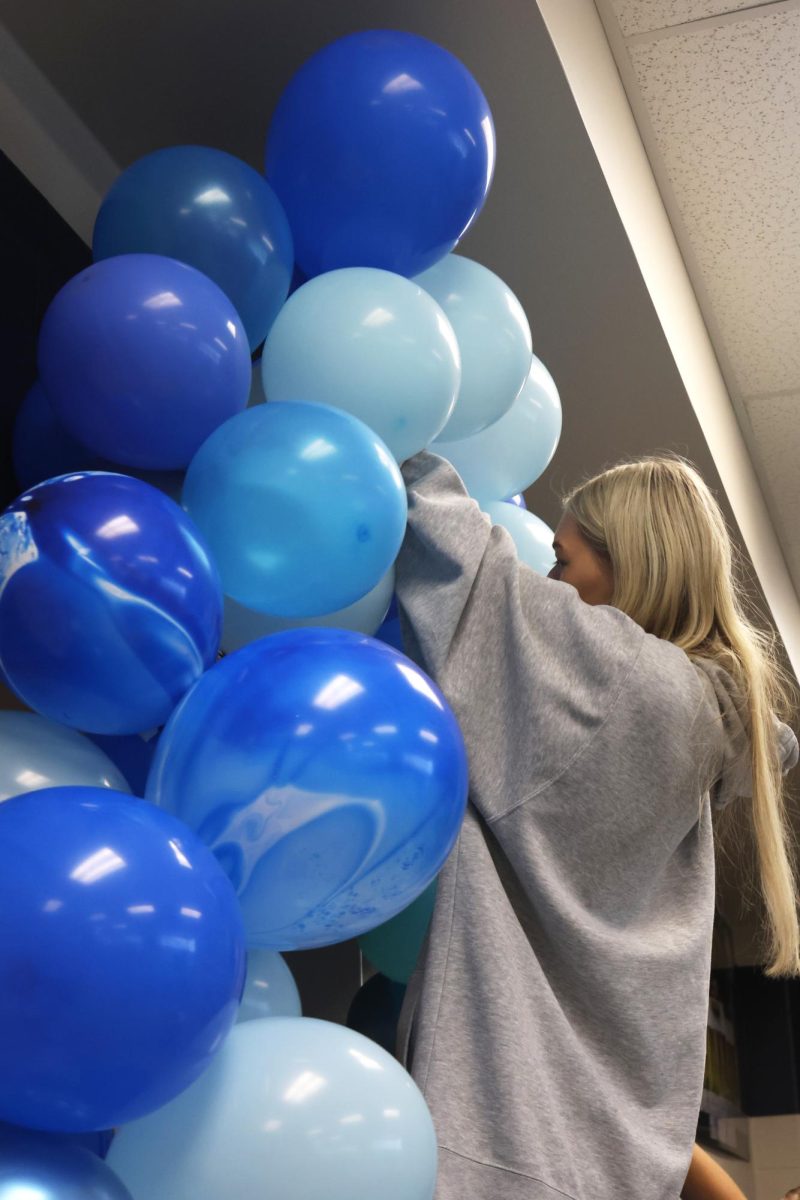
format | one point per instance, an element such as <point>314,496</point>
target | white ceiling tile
<point>723,104</point>
<point>644,16</point>
<point>775,448</point>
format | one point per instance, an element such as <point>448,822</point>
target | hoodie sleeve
<point>530,670</point>
<point>734,776</point>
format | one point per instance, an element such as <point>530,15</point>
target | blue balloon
<point>391,633</point>
<point>36,753</point>
<point>326,772</point>
<point>241,625</point>
<point>532,538</point>
<point>513,452</point>
<point>41,447</point>
<point>371,343</point>
<point>493,336</point>
<point>37,1166</point>
<point>142,358</point>
<point>110,606</point>
<point>518,501</point>
<point>292,1109</point>
<point>382,151</point>
<point>375,1011</point>
<point>303,507</point>
<point>131,753</point>
<point>270,989</point>
<point>121,958</point>
<point>212,211</point>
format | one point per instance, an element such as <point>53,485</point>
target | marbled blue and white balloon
<point>110,604</point>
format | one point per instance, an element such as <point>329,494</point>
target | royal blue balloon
<point>212,211</point>
<point>391,633</point>
<point>110,606</point>
<point>382,151</point>
<point>303,507</point>
<point>121,958</point>
<point>142,358</point>
<point>327,773</point>
<point>41,447</point>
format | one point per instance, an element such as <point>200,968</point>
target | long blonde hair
<point>658,524</point>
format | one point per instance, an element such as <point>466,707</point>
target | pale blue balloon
<point>372,343</point>
<point>241,625</point>
<point>302,505</point>
<point>493,336</point>
<point>290,1109</point>
<point>532,538</point>
<point>270,989</point>
<point>512,453</point>
<point>36,753</point>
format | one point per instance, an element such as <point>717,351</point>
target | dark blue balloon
<point>110,605</point>
<point>327,773</point>
<point>143,357</point>
<point>375,1011</point>
<point>391,633</point>
<point>121,958</point>
<point>46,1166</point>
<point>131,753</point>
<point>209,210</point>
<point>382,151</point>
<point>42,447</point>
<point>98,1143</point>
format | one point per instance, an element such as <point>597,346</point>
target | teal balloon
<point>270,989</point>
<point>493,336</point>
<point>290,1109</point>
<point>511,454</point>
<point>302,505</point>
<point>36,753</point>
<point>212,211</point>
<point>532,538</point>
<point>393,948</point>
<point>372,343</point>
<point>241,625</point>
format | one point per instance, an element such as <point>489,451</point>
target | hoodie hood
<point>728,735</point>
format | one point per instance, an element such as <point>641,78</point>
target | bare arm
<point>707,1180</point>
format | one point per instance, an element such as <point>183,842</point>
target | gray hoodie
<point>556,1023</point>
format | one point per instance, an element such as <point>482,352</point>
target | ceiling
<point>715,91</point>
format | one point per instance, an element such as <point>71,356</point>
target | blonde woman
<point>556,1022</point>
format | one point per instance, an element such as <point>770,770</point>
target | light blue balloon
<point>303,507</point>
<point>532,538</point>
<point>241,625</point>
<point>512,453</point>
<point>36,753</point>
<point>372,343</point>
<point>290,1109</point>
<point>493,336</point>
<point>270,989</point>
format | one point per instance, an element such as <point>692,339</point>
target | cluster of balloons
<point>306,785</point>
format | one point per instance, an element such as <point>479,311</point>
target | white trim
<point>45,139</point>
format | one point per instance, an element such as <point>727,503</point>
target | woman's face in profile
<point>578,564</point>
